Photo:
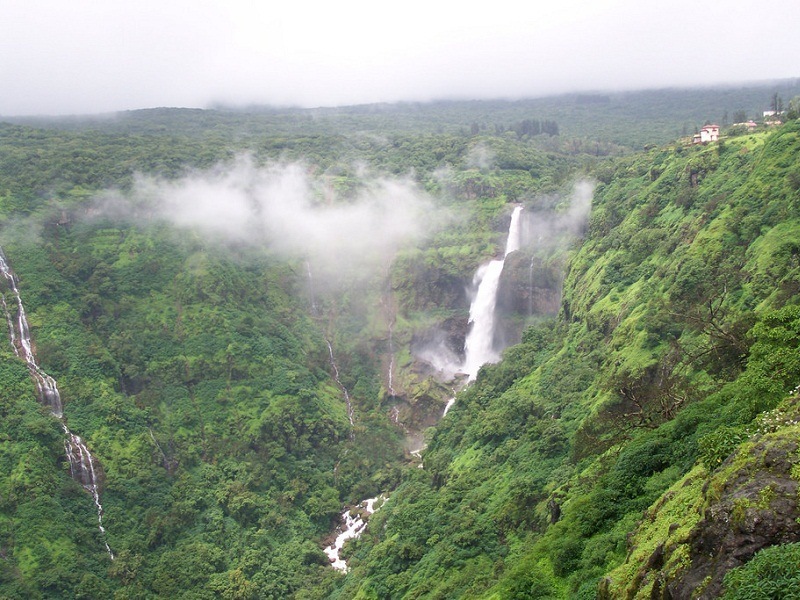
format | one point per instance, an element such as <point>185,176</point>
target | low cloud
<point>554,223</point>
<point>292,212</point>
<point>480,157</point>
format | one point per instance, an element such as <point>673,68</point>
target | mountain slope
<point>237,396</point>
<point>678,328</point>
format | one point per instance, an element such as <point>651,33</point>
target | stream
<point>354,524</point>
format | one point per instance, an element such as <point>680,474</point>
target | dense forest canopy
<point>240,309</point>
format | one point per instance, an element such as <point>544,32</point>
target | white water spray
<point>354,525</point>
<point>479,347</point>
<point>81,462</point>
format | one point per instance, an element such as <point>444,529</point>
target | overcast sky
<point>87,56</point>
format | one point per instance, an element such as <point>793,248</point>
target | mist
<point>555,220</point>
<point>287,209</point>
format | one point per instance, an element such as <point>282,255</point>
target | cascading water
<point>82,470</point>
<point>82,464</point>
<point>350,412</point>
<point>316,313</point>
<point>479,345</point>
<point>391,360</point>
<point>354,525</point>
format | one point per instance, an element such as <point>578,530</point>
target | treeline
<point>524,128</point>
<point>628,119</point>
<point>529,127</point>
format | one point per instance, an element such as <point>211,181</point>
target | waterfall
<point>391,360</point>
<point>45,385</point>
<point>348,402</point>
<point>315,312</point>
<point>81,462</point>
<point>314,308</point>
<point>479,347</point>
<point>81,468</point>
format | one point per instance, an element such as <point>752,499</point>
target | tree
<point>794,108</point>
<point>777,104</point>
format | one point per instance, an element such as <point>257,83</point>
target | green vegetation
<point>655,413</point>
<point>678,328</point>
<point>772,573</point>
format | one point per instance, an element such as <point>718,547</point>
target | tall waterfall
<point>82,464</point>
<point>314,308</point>
<point>479,347</point>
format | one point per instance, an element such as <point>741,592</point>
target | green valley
<point>257,318</point>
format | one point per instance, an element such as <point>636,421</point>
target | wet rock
<point>446,338</point>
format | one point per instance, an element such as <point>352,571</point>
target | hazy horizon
<point>84,58</point>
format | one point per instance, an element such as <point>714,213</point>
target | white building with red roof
<point>709,133</point>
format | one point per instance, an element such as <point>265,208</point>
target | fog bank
<point>285,208</point>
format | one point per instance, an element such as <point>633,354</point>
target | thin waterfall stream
<point>315,312</point>
<point>312,298</point>
<point>353,521</point>
<point>390,377</point>
<point>348,402</point>
<point>82,464</point>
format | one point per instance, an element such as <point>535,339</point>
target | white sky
<point>87,56</point>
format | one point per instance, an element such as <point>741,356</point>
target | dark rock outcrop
<point>750,502</point>
<point>755,506</point>
<point>446,337</point>
<point>530,287</point>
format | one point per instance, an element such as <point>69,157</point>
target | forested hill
<point>247,325</point>
<point>610,121</point>
<point>644,443</point>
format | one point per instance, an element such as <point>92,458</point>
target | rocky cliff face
<point>446,337</point>
<point>750,505</point>
<point>710,523</point>
<point>530,287</point>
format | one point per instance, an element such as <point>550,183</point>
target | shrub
<point>719,444</point>
<point>774,572</point>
